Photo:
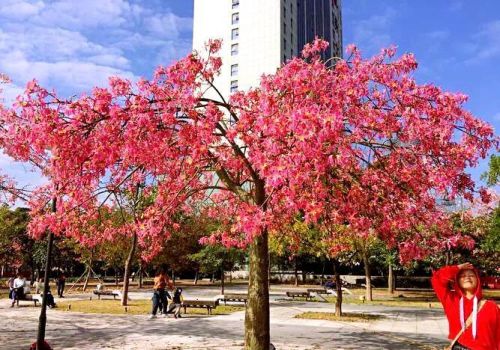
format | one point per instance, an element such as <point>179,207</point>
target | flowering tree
<point>258,158</point>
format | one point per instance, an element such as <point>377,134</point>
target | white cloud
<point>371,34</point>
<point>24,174</point>
<point>490,41</point>
<point>483,45</point>
<point>73,45</point>
<point>76,74</point>
<point>168,26</point>
<point>9,92</point>
<point>16,9</point>
<point>78,14</point>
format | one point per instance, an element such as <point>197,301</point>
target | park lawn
<point>346,317</point>
<point>418,299</point>
<point>135,307</point>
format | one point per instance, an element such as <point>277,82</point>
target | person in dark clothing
<point>176,304</point>
<point>61,282</point>
<point>50,299</point>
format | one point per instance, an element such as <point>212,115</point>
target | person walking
<point>10,284</point>
<point>160,294</point>
<point>61,283</point>
<point>474,323</point>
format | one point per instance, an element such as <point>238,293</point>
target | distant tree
<point>16,246</point>
<point>216,259</point>
<point>493,173</point>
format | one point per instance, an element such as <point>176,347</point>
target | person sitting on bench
<point>18,289</point>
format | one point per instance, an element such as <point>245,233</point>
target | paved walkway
<point>402,328</point>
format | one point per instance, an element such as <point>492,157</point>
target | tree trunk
<point>126,273</point>
<point>322,274</point>
<point>222,281</point>
<point>338,287</point>
<point>304,275</point>
<point>42,320</point>
<point>390,279</point>
<point>368,276</point>
<point>140,274</point>
<point>196,278</point>
<point>86,283</point>
<point>296,271</point>
<point>257,335</point>
<point>116,277</point>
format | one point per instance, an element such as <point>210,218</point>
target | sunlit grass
<point>346,317</point>
<point>134,307</point>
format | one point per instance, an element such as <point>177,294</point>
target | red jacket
<point>488,318</point>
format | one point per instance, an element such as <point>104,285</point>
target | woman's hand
<point>466,266</point>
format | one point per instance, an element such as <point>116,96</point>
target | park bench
<point>319,292</point>
<point>204,304</point>
<point>235,297</point>
<point>333,292</point>
<point>113,293</point>
<point>295,294</point>
<point>29,297</point>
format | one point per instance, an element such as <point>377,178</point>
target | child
<point>175,306</point>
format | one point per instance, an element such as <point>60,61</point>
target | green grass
<point>346,317</point>
<point>418,299</point>
<point>135,307</point>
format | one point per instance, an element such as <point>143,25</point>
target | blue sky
<point>72,45</point>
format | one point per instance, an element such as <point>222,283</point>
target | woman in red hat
<point>474,323</point>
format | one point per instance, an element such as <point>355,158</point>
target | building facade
<point>259,35</point>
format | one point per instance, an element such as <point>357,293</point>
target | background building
<point>259,35</point>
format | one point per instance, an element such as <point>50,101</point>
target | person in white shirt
<point>18,289</point>
<point>37,285</point>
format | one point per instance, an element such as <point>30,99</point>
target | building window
<point>236,4</point>
<point>284,11</point>
<point>234,49</point>
<point>234,69</point>
<point>235,33</point>
<point>284,28</point>
<point>235,18</point>
<point>234,85</point>
<point>284,43</point>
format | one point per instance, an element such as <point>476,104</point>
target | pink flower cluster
<point>361,145</point>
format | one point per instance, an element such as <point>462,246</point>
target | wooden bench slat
<point>208,304</point>
<point>106,292</point>
<point>294,294</point>
<point>235,297</point>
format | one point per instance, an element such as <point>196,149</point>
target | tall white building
<point>259,35</point>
